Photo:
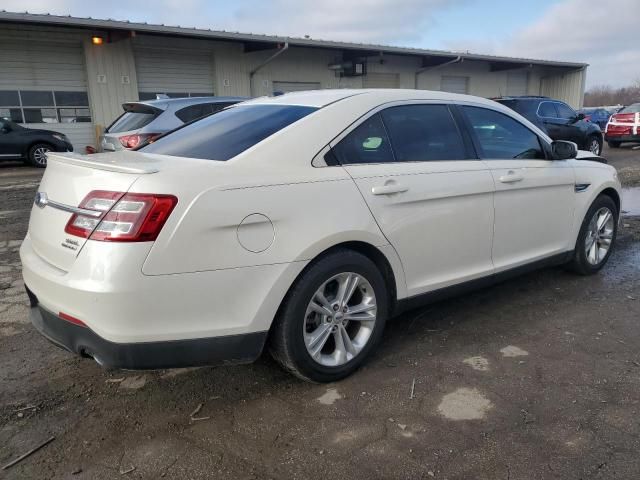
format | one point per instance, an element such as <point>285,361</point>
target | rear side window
<point>193,112</point>
<point>367,143</point>
<point>547,110</point>
<point>423,133</point>
<point>501,137</point>
<point>228,133</point>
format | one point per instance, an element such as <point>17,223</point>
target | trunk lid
<point>66,181</point>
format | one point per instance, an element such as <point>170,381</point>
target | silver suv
<point>146,120</point>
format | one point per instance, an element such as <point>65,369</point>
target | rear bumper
<point>230,349</point>
<point>622,138</point>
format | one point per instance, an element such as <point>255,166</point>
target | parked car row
<point>301,223</point>
<point>558,120</point>
<point>144,121</point>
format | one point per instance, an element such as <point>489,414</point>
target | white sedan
<point>301,223</point>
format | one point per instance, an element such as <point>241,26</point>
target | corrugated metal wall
<point>565,86</point>
<point>47,60</point>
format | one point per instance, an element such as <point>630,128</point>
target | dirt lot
<point>537,378</point>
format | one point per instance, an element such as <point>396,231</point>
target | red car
<point>623,126</point>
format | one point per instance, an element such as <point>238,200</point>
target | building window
<point>44,106</point>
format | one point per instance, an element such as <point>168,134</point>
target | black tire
<point>592,140</point>
<point>579,263</point>
<point>613,144</point>
<point>286,341</point>
<point>34,155</point>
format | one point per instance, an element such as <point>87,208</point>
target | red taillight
<point>121,217</point>
<point>137,139</point>
<point>624,117</point>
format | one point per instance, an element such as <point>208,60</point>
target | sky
<point>601,33</point>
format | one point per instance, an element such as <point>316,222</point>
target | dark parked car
<point>145,121</point>
<point>30,145</point>
<point>596,115</point>
<point>559,120</point>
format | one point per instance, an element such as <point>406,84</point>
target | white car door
<point>430,197</point>
<point>535,197</point>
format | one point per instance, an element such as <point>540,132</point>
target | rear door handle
<point>389,189</point>
<point>511,177</point>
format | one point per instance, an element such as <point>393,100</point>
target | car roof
<point>322,98</point>
<point>184,102</point>
<point>524,97</point>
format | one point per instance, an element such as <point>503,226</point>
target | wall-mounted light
<point>96,40</point>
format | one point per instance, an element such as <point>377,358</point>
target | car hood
<point>586,155</point>
<point>38,131</point>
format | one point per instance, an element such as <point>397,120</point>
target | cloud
<point>368,21</point>
<point>378,21</point>
<point>603,34</point>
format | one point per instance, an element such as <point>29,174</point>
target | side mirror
<point>579,116</point>
<point>563,150</point>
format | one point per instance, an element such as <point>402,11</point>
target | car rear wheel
<point>597,236</point>
<point>594,144</point>
<point>332,318</point>
<point>613,144</point>
<point>37,155</point>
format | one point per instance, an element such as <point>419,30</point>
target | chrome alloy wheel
<point>340,319</point>
<point>594,147</point>
<point>599,236</point>
<point>40,155</point>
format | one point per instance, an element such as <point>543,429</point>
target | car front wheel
<point>332,318</point>
<point>594,144</point>
<point>37,155</point>
<point>597,236</point>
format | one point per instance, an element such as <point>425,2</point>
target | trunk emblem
<point>41,199</point>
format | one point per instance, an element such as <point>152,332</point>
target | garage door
<point>285,87</point>
<point>43,85</point>
<point>176,73</point>
<point>381,80</point>
<point>454,84</point>
<point>517,83</point>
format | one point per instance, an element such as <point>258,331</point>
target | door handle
<point>511,177</point>
<point>389,189</point>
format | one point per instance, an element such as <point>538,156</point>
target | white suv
<point>303,222</point>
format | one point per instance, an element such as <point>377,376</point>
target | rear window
<point>634,108</point>
<point>228,133</point>
<point>135,116</point>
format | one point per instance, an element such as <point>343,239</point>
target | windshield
<point>633,108</point>
<point>228,133</point>
<point>6,123</point>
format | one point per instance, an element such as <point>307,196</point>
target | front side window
<point>502,137</point>
<point>228,133</point>
<point>367,143</point>
<point>564,111</point>
<point>423,133</point>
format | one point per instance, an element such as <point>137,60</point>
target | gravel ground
<point>536,378</point>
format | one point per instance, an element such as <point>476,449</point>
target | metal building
<point>72,74</point>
